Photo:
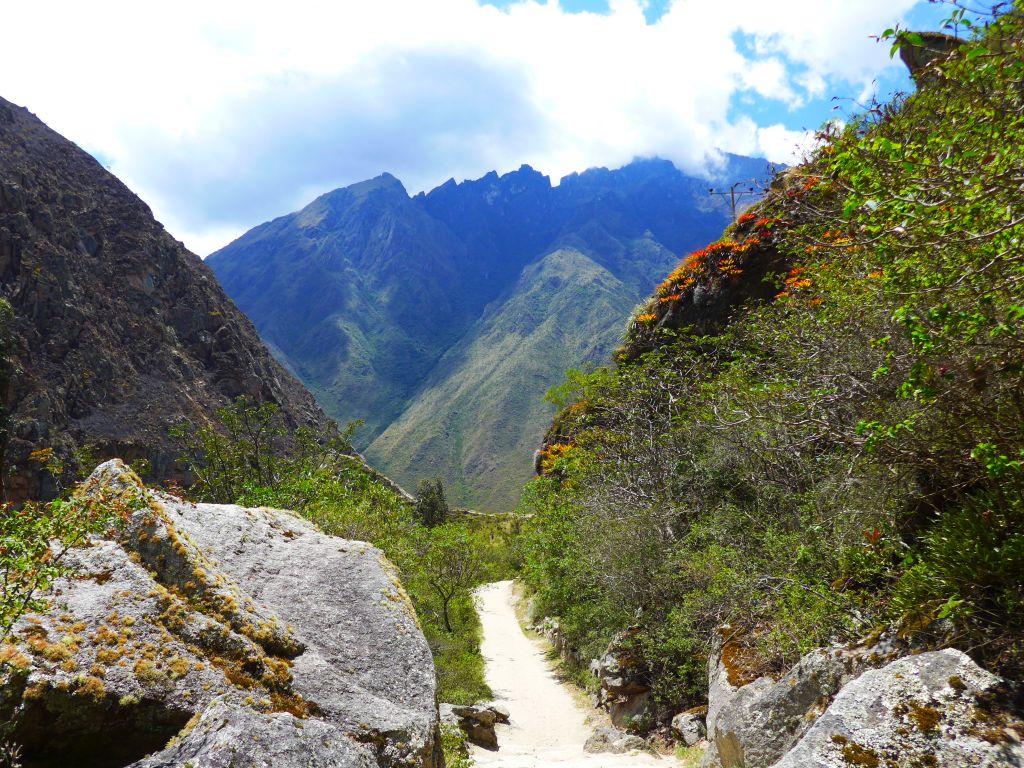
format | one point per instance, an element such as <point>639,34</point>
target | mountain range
<point>441,319</point>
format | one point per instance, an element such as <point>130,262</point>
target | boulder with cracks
<point>240,634</point>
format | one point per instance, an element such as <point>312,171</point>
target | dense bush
<point>843,457</point>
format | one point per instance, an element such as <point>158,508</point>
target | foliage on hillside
<point>844,453</point>
<point>247,460</point>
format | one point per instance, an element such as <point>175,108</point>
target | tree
<point>452,565</point>
<point>431,505</point>
<point>252,448</point>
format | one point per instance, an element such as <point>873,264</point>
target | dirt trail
<point>547,726</point>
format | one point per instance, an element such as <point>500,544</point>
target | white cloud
<point>223,114</point>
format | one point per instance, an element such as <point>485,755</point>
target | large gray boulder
<point>227,735</point>
<point>932,709</point>
<point>756,723</point>
<point>248,618</point>
<point>755,720</point>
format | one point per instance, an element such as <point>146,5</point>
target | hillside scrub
<point>251,459</point>
<point>842,454</point>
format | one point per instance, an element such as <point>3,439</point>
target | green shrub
<point>453,744</point>
<point>844,456</point>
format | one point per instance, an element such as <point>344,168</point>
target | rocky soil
<point>216,635</point>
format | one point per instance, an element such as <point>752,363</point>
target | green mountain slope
<point>437,319</point>
<point>475,422</point>
<point>833,457</point>
<point>355,293</point>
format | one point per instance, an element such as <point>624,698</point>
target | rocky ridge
<point>118,330</point>
<point>245,636</point>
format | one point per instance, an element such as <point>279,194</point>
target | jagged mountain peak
<point>441,319</point>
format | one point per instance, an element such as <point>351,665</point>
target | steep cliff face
<point>119,331</point>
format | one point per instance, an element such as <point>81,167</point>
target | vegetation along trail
<point>547,726</point>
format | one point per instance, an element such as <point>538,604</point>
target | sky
<point>222,114</point>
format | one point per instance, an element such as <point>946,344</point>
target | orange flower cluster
<point>646,319</point>
<point>811,183</point>
<point>746,218</point>
<point>728,267</point>
<point>794,282</point>
<point>551,454</point>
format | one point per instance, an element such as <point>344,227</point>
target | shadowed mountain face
<point>440,320</point>
<point>118,331</point>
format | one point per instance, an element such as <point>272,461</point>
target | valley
<point>440,320</point>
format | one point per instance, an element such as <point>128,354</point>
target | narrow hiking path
<point>547,726</point>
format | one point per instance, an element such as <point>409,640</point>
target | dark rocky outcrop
<point>119,330</point>
<point>623,679</point>
<point>246,635</point>
<point>919,57</point>
<point>477,721</point>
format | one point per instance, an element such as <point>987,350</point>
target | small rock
<point>690,727</point>
<point>614,741</point>
<point>476,721</point>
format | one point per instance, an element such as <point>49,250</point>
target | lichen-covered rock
<point>228,735</point>
<point>758,722</point>
<point>614,741</point>
<point>253,608</point>
<point>689,727</point>
<point>756,718</point>
<point>932,709</point>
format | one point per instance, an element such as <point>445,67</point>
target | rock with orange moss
<point>932,709</point>
<point>838,706</point>
<point>283,629</point>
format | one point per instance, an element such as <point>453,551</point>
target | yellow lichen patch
<point>927,718</point>
<point>54,652</point>
<point>35,691</point>
<point>148,672</point>
<point>107,655</point>
<point>856,755</point>
<point>90,687</point>
<point>742,664</point>
<point>178,667</point>
<point>11,656</point>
